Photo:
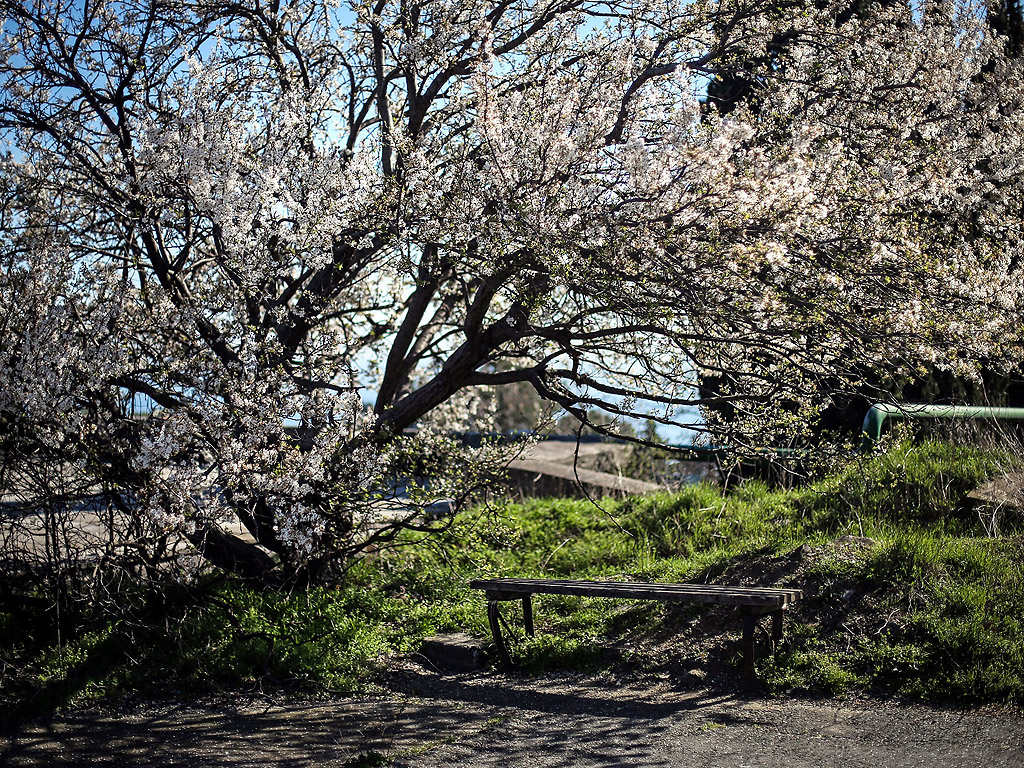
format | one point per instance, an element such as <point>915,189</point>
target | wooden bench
<point>753,602</point>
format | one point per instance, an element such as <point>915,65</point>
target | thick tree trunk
<point>234,554</point>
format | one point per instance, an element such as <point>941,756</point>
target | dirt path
<point>491,720</point>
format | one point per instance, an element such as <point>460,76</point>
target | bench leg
<point>528,614</point>
<point>776,628</point>
<point>749,629</point>
<point>499,643</point>
<point>750,621</point>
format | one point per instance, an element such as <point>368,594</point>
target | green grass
<point>929,617</point>
<point>932,611</point>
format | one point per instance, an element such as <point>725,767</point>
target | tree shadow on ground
<point>425,711</point>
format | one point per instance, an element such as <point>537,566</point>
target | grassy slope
<point>905,595</point>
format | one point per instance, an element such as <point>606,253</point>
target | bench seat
<point>753,602</point>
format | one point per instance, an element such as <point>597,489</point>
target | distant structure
<point>564,468</point>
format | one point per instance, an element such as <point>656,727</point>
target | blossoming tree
<point>251,213</point>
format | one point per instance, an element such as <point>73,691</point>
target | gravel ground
<point>486,719</point>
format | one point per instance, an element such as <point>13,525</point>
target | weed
<point>371,759</point>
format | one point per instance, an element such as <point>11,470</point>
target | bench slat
<point>689,593</point>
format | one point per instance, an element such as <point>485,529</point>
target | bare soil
<point>487,719</point>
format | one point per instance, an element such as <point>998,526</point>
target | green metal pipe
<point>879,412</point>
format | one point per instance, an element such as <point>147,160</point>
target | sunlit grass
<point>932,611</point>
